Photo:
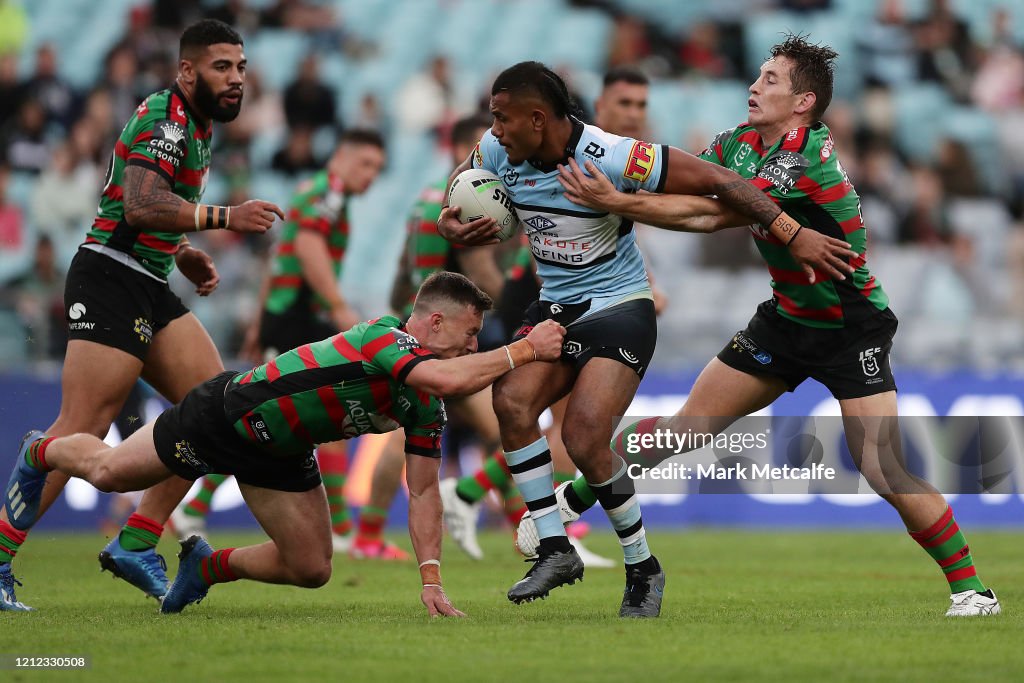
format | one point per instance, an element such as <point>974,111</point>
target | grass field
<point>739,606</point>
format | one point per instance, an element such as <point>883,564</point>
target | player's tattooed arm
<point>150,204</point>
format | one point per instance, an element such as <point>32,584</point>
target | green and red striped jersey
<point>803,175</point>
<point>426,251</point>
<point>164,135</point>
<point>318,205</point>
<point>338,388</point>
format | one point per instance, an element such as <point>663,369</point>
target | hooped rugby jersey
<point>802,174</point>
<point>164,135</point>
<point>338,388</point>
<point>581,253</point>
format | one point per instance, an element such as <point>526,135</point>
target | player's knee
<point>583,437</point>
<point>511,407</point>
<point>313,574</point>
<point>105,478</point>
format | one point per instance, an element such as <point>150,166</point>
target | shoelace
<point>149,564</point>
<point>7,582</point>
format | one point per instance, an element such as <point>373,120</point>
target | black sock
<point>648,566</point>
<point>555,544</point>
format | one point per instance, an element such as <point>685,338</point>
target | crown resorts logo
<point>172,132</point>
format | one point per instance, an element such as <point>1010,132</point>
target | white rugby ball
<point>480,193</point>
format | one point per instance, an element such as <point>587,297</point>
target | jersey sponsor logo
<point>640,164</point>
<point>405,342</point>
<point>142,109</point>
<point>742,342</point>
<point>76,311</point>
<point>358,415</point>
<point>530,182</point>
<point>783,170</point>
<point>511,177</point>
<point>594,150</point>
<point>169,142</point>
<point>826,149</point>
<point>184,452</point>
<point>478,158</point>
<point>869,361</point>
<point>523,331</point>
<point>259,428</point>
<point>555,309</point>
<point>144,329</point>
<point>540,222</point>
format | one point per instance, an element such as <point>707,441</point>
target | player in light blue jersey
<point>595,285</point>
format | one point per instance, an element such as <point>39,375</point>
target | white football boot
<point>460,518</point>
<point>971,603</point>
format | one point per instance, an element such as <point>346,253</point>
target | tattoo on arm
<point>744,197</point>
<point>148,200</point>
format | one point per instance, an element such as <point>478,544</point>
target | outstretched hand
<point>437,603</point>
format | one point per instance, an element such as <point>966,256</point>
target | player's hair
<point>446,288</point>
<point>539,80</point>
<point>362,136</point>
<point>204,33</point>
<point>464,132</point>
<point>813,68</point>
<point>626,74</point>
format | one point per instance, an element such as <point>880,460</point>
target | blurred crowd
<point>947,203</point>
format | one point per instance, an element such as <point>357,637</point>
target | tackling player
<point>594,283</point>
<point>262,426</point>
<point>123,320</point>
<point>301,300</point>
<point>838,332</point>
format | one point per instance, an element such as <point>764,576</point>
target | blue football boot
<point>143,569</point>
<point>188,586</point>
<point>24,488</point>
<point>8,601</point>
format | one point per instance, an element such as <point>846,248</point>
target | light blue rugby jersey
<point>581,253</point>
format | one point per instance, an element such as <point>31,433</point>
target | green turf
<point>739,606</point>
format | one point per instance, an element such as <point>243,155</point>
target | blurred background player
<point>839,333</point>
<point>302,302</point>
<point>123,320</point>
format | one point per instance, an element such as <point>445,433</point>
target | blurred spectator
<point>12,92</point>
<point>24,139</point>
<point>630,43</point>
<point>956,170</point>
<point>297,154</point>
<point>120,72</point>
<point>45,85</point>
<point>262,110</point>
<point>370,115</point>
<point>12,223</point>
<point>237,14</point>
<point>886,47</point>
<point>701,53</point>
<point>38,298</point>
<point>943,46</point>
<point>878,180</point>
<point>98,112</point>
<point>91,155</point>
<point>999,84</point>
<point>317,20</point>
<point>308,102</point>
<point>174,14</point>
<point>14,26</point>
<point>926,219</point>
<point>64,197</point>
<point>427,101</point>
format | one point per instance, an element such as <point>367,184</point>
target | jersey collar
<point>570,149</point>
<point>192,114</point>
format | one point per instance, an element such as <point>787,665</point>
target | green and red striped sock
<point>10,540</point>
<point>36,454</point>
<point>215,568</point>
<point>140,533</point>
<point>334,470</point>
<point>371,523</point>
<point>946,544</point>
<point>200,505</point>
<point>493,475</point>
<point>515,506</point>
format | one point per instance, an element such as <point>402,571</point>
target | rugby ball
<point>480,193</point>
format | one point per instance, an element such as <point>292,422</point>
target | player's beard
<point>209,103</point>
